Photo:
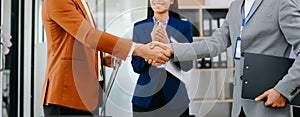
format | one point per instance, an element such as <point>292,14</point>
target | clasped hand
<point>159,33</point>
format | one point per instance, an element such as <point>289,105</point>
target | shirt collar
<point>156,22</point>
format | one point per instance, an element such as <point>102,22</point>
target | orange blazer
<point>71,77</point>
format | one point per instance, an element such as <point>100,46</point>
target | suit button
<point>243,54</point>
<point>295,90</point>
<point>241,77</point>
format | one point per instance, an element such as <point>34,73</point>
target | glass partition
<point>5,19</point>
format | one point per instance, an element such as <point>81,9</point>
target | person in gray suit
<point>269,27</point>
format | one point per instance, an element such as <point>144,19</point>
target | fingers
<point>269,103</point>
<point>153,33</point>
<point>259,98</point>
<point>156,54</point>
<point>167,47</point>
<point>166,53</point>
<point>153,63</point>
<point>274,98</point>
<point>163,37</point>
<point>160,56</point>
<point>163,55</point>
<point>113,61</point>
<point>109,61</point>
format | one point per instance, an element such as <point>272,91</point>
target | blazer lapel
<point>241,4</point>
<point>256,5</point>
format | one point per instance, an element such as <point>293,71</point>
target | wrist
<point>137,50</point>
<point>170,47</point>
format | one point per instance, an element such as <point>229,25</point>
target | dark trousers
<point>57,110</point>
<point>296,112</point>
<point>158,108</point>
<point>242,113</point>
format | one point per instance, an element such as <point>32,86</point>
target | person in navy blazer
<point>158,92</point>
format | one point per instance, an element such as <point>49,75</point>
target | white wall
<point>218,2</point>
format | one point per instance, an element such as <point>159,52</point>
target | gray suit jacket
<point>272,28</point>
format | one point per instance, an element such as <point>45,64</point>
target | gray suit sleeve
<point>218,43</point>
<point>289,20</point>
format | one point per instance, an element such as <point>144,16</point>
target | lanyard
<point>245,18</point>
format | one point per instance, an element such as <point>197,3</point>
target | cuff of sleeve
<point>183,52</point>
<point>131,49</point>
<point>284,90</point>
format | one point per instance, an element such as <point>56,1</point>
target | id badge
<point>237,51</point>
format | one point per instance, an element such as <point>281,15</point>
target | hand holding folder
<point>274,98</point>
<point>263,72</point>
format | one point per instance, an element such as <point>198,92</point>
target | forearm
<point>289,85</point>
<point>189,51</point>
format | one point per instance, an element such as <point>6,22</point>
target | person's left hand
<point>162,34</point>
<point>274,98</point>
<point>109,61</point>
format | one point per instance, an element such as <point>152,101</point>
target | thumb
<point>153,44</point>
<point>259,98</point>
<point>268,102</point>
<point>162,45</point>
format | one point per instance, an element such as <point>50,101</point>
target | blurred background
<point>23,69</point>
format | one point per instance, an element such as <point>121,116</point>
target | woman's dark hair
<point>173,11</point>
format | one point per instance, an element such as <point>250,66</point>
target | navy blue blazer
<point>153,79</point>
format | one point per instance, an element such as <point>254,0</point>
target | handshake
<point>159,50</point>
<point>155,53</point>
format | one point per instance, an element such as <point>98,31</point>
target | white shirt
<point>247,6</point>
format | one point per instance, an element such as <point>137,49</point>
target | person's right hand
<point>274,98</point>
<point>160,45</point>
<point>156,54</point>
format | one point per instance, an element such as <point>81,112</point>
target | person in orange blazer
<point>71,85</point>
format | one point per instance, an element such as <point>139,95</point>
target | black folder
<point>263,72</point>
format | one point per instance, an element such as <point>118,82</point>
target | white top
<point>247,6</point>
